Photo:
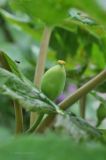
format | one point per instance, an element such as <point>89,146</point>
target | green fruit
<point>53,81</point>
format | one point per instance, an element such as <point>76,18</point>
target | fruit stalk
<point>41,64</point>
<point>82,105</point>
<point>18,117</point>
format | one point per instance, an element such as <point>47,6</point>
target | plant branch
<point>86,88</point>
<point>41,63</point>
<point>70,100</point>
<point>82,103</point>
<point>18,117</point>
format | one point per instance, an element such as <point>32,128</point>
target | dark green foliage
<point>65,43</point>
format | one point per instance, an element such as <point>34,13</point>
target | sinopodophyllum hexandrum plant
<point>29,97</point>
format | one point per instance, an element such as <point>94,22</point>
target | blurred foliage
<point>19,148</point>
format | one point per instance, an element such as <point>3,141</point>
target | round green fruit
<point>53,81</point>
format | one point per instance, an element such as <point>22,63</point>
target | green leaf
<point>28,96</point>
<point>66,14</point>
<point>71,24</point>
<point>101,113</point>
<point>80,18</point>
<point>23,22</point>
<point>101,88</point>
<point>9,64</point>
<point>98,53</point>
<point>65,43</point>
<point>50,12</point>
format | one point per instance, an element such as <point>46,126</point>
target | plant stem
<point>42,56</point>
<point>46,123</point>
<point>41,63</point>
<point>70,100</point>
<point>35,124</point>
<point>86,88</point>
<point>82,103</point>
<point>18,117</point>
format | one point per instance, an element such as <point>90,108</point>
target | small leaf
<point>9,64</point>
<point>101,113</point>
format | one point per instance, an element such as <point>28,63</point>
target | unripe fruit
<point>53,81</point>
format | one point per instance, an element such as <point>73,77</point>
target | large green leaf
<point>51,12</point>
<point>77,14</point>
<point>73,17</point>
<point>54,11</point>
<point>28,96</point>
